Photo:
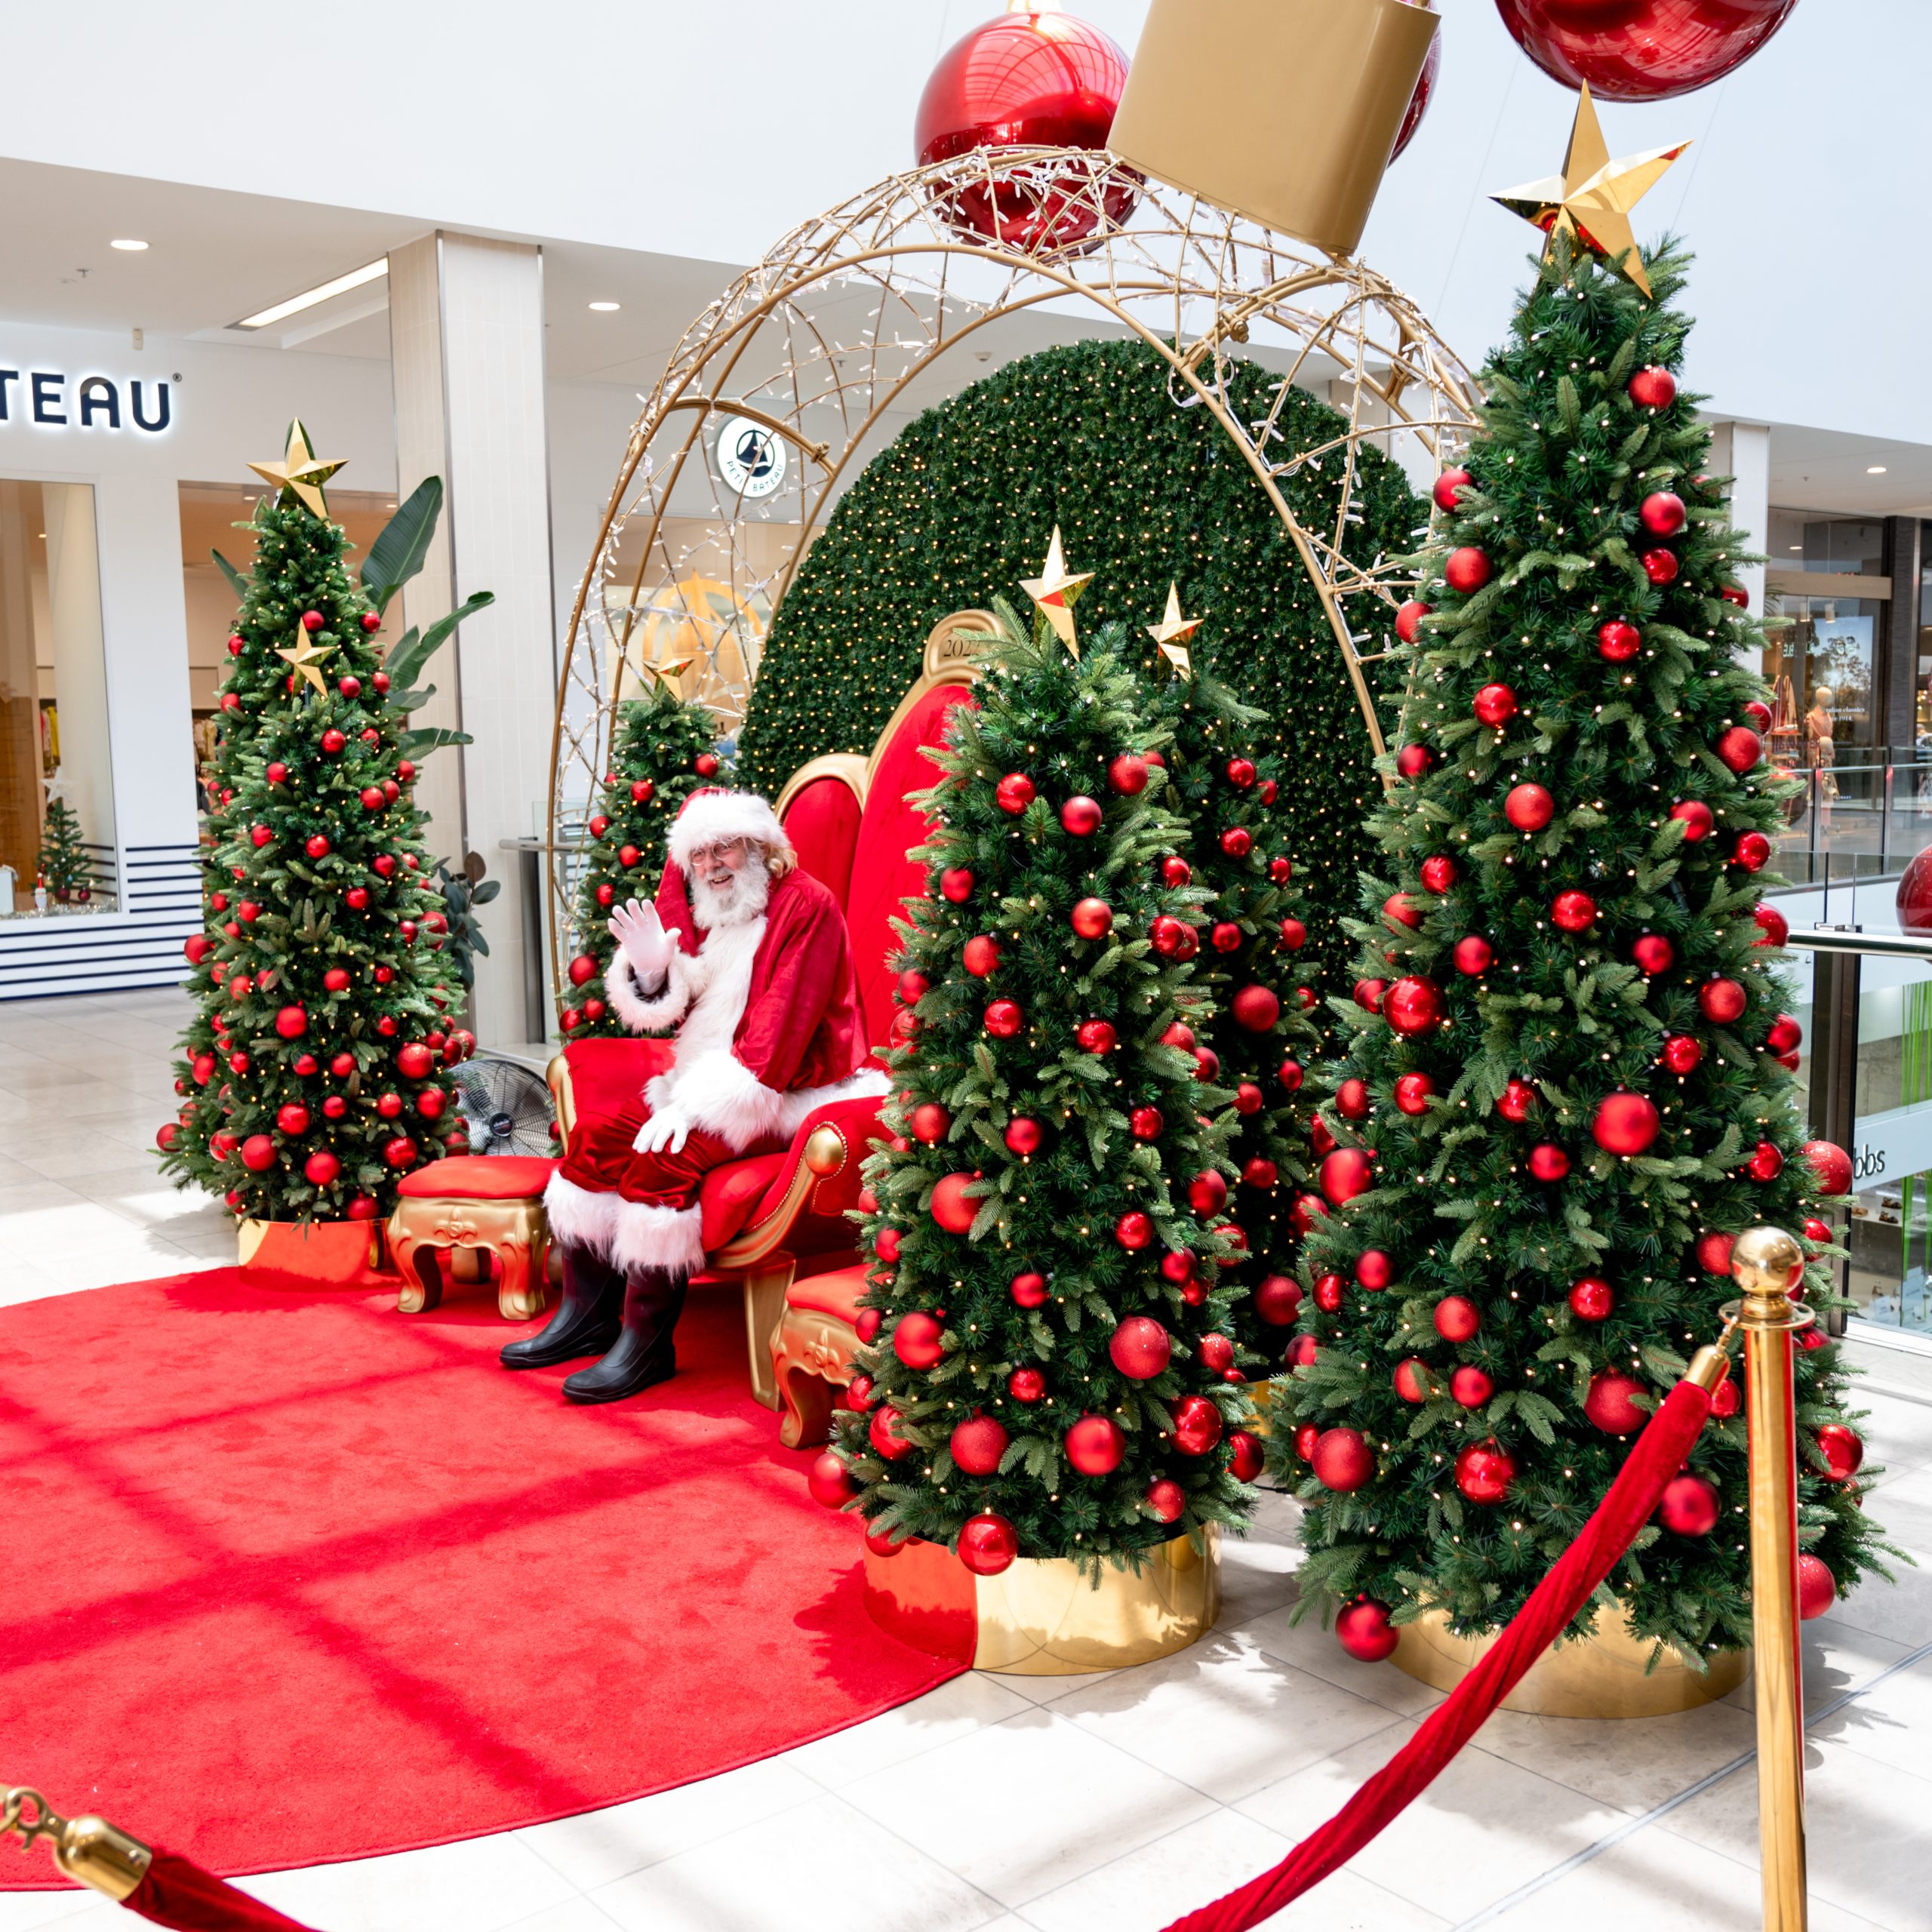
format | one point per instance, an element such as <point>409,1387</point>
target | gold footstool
<point>475,1206</point>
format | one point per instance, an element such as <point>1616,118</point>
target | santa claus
<point>746,957</point>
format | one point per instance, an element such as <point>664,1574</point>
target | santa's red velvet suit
<point>767,1028</point>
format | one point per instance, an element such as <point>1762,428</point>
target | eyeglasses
<point>730,852</point>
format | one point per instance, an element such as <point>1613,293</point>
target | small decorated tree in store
<point>309,1073</point>
<point>1254,965</point>
<point>1570,1090</point>
<point>62,863</point>
<point>1052,1369</point>
<point>665,751</point>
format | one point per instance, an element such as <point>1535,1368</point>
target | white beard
<point>738,904</point>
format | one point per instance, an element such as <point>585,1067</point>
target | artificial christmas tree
<point>665,750</point>
<point>1255,964</point>
<point>1052,1372</point>
<point>62,864</point>
<point>310,1074</point>
<point>1567,1028</point>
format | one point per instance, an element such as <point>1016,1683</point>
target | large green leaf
<point>430,738</point>
<point>397,555</point>
<point>414,650</point>
<point>237,581</point>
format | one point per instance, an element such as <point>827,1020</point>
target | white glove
<point>664,1132</point>
<point>641,934</point>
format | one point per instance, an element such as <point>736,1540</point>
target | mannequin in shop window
<point>1820,751</point>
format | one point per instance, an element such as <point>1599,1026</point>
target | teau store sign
<point>55,400</point>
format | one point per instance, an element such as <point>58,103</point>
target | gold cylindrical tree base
<point>1041,1617</point>
<point>1602,1677</point>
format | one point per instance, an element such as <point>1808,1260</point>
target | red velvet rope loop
<point>1659,1454</point>
<point>177,1892</point>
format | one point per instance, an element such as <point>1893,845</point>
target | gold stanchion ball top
<point>1767,1261</point>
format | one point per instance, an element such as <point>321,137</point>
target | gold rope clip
<point>89,1850</point>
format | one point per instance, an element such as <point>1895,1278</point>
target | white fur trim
<point>650,1013</point>
<point>724,1096</point>
<point>868,1083</point>
<point>648,1236</point>
<point>709,817</point>
<point>579,1217</point>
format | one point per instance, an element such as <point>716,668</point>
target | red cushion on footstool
<point>835,1293</point>
<point>479,1177</point>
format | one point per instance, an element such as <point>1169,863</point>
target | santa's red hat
<point>714,814</point>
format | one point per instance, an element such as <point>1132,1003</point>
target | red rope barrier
<point>175,1891</point>
<point>1657,1457</point>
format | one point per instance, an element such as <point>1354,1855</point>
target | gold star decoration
<point>301,659</point>
<point>670,671</point>
<point>1592,198</point>
<point>301,471</point>
<point>1172,633</point>
<point>1054,590</point>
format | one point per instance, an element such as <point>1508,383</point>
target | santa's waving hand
<point>745,959</point>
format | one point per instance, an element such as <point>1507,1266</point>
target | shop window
<point>57,789</point>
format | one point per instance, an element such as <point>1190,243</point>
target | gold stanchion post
<point>1768,1264</point>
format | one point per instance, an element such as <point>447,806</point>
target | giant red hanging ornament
<point>1343,1460</point>
<point>1641,50</point>
<point>1696,818</point>
<point>1408,624</point>
<point>1080,816</point>
<point>1752,851</point>
<point>1591,1298</point>
<point>980,956</point>
<point>1417,107</point>
<point>1618,641</point>
<point>1363,1629</point>
<point>1014,792</point>
<point>1457,1318</point>
<point>1027,79</point>
<point>1438,874</point>
<point>1473,955</point>
<point>1003,1018</point>
<point>1277,1301</point>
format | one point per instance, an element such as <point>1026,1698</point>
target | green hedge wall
<point>961,507</point>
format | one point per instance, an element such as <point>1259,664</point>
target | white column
<point>80,662</point>
<point>1743,452</point>
<point>466,347</point>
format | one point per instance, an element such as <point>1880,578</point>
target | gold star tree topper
<point>1172,633</point>
<point>302,658</point>
<point>301,472</point>
<point>1054,590</point>
<point>1593,196</point>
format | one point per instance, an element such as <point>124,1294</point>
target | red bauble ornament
<point>389,1105</point>
<point>1093,918</point>
<point>1259,1173</point>
<point>1362,1628</point>
<point>1662,513</point>
<point>1080,816</point>
<point>977,1445</point>
<point>1179,1035</point>
<point>1832,1164</point>
<point>1714,1253</point>
<point>1519,1100</point>
<point>1721,1001</point>
<point>1127,773</point>
<point>1024,1135</point>
<point>1414,761</point>
<point>258,1153</point>
<point>912,988</point>
<point>1413,1091</point>
<point>883,1432</point>
<point>1173,938</point>
<point>414,1061</point>
<point>1843,1450</point>
<point>1547,1161</point>
<point>583,969</point>
<point>1095,1036</point>
<point>1352,1099</point>
<point>1301,1353</point>
<point>1495,704</point>
<point>1003,1018</point>
<point>1207,1192</point>
<point>1625,1124</point>
<point>1696,817</point>
<point>1367,994</point>
<point>1740,748</point>
<point>1473,955</point>
<point>1175,871</point>
<point>1197,1425</point>
<point>1256,1009</point>
<point>1785,1035</point>
<point>166,1136</point>
<point>1237,841</point>
<point>1485,1472</point>
<point>352,687</point>
<point>1028,80</point>
<point>1438,874</point>
<point>1308,1210</point>
<point>953,1207</point>
<point>1752,851</point>
<point>1691,1506</point>
<point>1817,1587</point>
<point>988,1543</point>
<point>292,1117</point>
<point>322,1167</point>
<point>1457,1318</point>
<point>1413,1006</point>
<point>1398,909</point>
<point>311,620</point>
<point>1245,1460</point>
<point>1653,388</point>
<point>829,1482</point>
<point>1290,1075</point>
<point>980,956</point>
<point>1449,487</point>
<point>1226,936</point>
<point>1682,1055</point>
<point>1815,1230</point>
<point>1611,1402</point>
<point>1660,566</point>
<point>1095,1445</point>
<point>1328,1291</point>
<point>1177,1265</point>
<point>291,1023</point>
<point>1146,1123</point>
<point>1014,792</point>
<point>1641,50</point>
<point>1028,1289</point>
<point>915,1340</point>
<point>1412,1379</point>
<point>955,884</point>
<point>1133,1230</point>
<point>1374,1269</point>
<point>1345,1173</point>
<point>1618,641</point>
<point>1653,954</point>
<point>1765,1162</point>
<point>1470,1386</point>
<point>1277,1301</point>
<point>1408,622</point>
<point>1140,1347</point>
<point>1293,933</point>
<point>1573,912</point>
<point>1466,569</point>
<point>1529,808</point>
<point>1343,1460</point>
<point>1164,1499</point>
<point>1592,1299</point>
<point>1026,1385</point>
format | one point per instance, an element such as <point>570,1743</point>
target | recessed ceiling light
<point>1798,546</point>
<point>133,247</point>
<point>374,272</point>
<point>604,307</point>
<point>1877,469</point>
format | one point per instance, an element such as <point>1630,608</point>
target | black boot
<point>645,1353</point>
<point>585,1322</point>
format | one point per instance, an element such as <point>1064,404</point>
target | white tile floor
<point>1074,1804</point>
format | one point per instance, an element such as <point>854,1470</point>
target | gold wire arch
<point>842,322</point>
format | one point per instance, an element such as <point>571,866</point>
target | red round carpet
<point>290,1577</point>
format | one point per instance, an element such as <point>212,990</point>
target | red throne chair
<point>780,1224</point>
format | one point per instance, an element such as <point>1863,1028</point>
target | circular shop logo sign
<point>751,458</point>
